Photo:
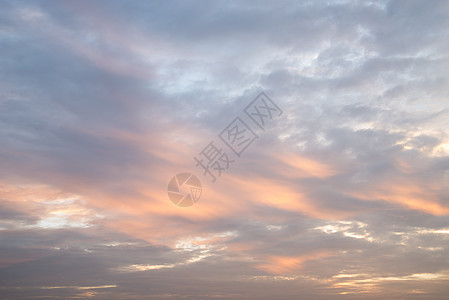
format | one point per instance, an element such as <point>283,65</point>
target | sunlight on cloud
<point>353,229</point>
<point>56,209</point>
<point>134,268</point>
<point>277,264</point>
<point>197,248</point>
<point>66,213</point>
<point>300,166</point>
<point>101,103</point>
<point>442,150</point>
<point>278,194</point>
<point>406,193</point>
<point>79,287</point>
<point>271,278</point>
<point>432,231</point>
<point>365,283</point>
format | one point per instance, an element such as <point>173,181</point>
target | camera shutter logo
<point>184,189</point>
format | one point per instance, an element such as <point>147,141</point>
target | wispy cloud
<point>101,103</point>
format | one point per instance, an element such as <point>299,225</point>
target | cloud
<point>101,103</point>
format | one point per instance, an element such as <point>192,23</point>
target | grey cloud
<point>359,84</point>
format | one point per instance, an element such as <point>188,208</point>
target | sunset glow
<point>318,131</point>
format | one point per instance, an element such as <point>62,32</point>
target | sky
<point>343,193</point>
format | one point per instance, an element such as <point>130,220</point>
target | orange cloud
<point>283,195</point>
<point>289,264</point>
<point>296,166</point>
<point>407,193</point>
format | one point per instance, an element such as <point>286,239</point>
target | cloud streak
<point>345,194</point>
